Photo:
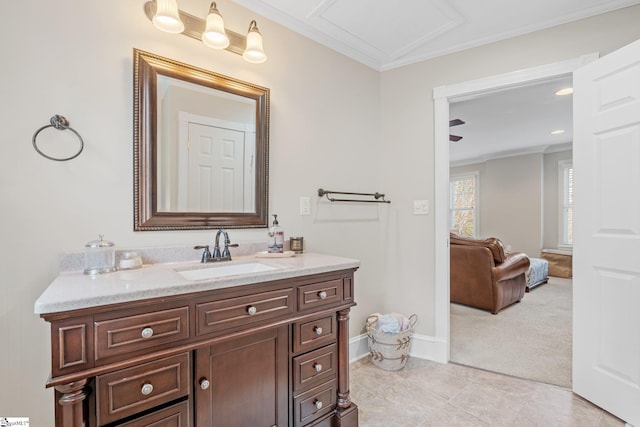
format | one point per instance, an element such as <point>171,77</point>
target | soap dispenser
<point>275,244</point>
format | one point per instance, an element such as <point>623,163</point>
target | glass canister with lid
<point>99,256</point>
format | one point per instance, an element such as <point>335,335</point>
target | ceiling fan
<point>455,122</point>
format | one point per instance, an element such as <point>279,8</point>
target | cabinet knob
<point>147,333</point>
<point>318,330</point>
<point>317,367</point>
<point>318,404</point>
<point>252,310</point>
<point>322,295</point>
<point>204,383</point>
<point>146,389</point>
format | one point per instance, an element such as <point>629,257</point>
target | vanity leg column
<point>344,400</point>
<point>70,405</point>
<point>347,413</point>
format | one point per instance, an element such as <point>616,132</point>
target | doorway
<point>442,97</point>
<point>504,169</point>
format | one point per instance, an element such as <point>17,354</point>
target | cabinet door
<point>243,381</point>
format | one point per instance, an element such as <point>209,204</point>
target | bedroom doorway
<point>443,97</point>
<point>505,174</point>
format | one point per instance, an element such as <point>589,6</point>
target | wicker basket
<point>389,351</point>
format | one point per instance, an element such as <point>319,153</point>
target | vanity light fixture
<point>214,34</point>
<point>166,16</point>
<point>557,132</point>
<point>254,52</point>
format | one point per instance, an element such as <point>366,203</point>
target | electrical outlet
<point>421,207</point>
<point>305,205</point>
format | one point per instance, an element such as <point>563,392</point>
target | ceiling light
<point>557,132</point>
<point>167,18</point>
<point>214,34</point>
<point>254,51</point>
<point>565,91</point>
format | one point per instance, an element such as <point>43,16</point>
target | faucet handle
<point>206,255</point>
<point>225,251</point>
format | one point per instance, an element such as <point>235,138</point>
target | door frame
<point>442,96</point>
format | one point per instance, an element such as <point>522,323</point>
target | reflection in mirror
<point>201,148</point>
<point>206,149</point>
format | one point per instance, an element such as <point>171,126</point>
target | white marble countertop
<point>75,290</point>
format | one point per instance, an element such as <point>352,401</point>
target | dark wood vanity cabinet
<point>258,355</point>
<point>243,381</point>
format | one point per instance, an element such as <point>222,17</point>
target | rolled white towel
<point>388,323</point>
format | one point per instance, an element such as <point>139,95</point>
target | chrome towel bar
<point>376,196</point>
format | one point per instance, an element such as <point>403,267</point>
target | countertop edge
<point>52,300</point>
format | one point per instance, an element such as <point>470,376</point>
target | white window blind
<point>565,181</point>
<point>463,203</point>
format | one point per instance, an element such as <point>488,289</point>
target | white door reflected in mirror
<point>207,149</point>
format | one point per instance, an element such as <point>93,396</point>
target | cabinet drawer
<point>314,403</point>
<point>128,334</point>
<point>132,390</point>
<point>320,294</point>
<point>314,367</point>
<point>311,334</point>
<point>218,315</point>
<point>173,416</point>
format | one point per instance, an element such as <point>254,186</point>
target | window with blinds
<point>463,203</point>
<point>565,181</point>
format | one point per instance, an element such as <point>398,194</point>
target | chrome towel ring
<point>60,123</point>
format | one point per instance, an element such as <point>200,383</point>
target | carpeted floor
<point>530,339</point>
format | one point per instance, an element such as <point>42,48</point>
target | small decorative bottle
<point>276,237</point>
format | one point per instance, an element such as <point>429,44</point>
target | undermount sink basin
<point>218,270</point>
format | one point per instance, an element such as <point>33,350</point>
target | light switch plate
<point>305,205</point>
<point>421,207</point>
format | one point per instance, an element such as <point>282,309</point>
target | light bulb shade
<point>253,51</point>
<point>214,34</point>
<point>167,17</point>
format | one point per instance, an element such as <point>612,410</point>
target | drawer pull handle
<point>252,310</point>
<point>318,404</point>
<point>317,367</point>
<point>322,295</point>
<point>147,389</point>
<point>318,330</point>
<point>147,333</point>
<point>204,383</point>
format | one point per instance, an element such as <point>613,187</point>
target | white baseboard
<point>358,348</point>
<point>422,347</point>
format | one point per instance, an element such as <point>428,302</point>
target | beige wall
<point>513,202</point>
<point>519,199</point>
<point>334,123</point>
<point>74,57</point>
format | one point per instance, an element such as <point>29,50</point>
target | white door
<point>606,305</point>
<point>216,169</point>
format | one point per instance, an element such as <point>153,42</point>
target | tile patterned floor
<point>426,393</point>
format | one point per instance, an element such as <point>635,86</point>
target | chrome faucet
<point>216,255</point>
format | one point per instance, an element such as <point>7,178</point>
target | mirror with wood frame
<point>201,148</point>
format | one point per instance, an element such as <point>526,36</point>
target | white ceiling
<point>512,122</point>
<point>392,33</point>
<point>389,34</point>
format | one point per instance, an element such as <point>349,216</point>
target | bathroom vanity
<point>184,344</point>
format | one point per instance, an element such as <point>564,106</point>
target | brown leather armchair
<point>483,276</point>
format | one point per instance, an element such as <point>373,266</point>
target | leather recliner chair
<point>483,276</point>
